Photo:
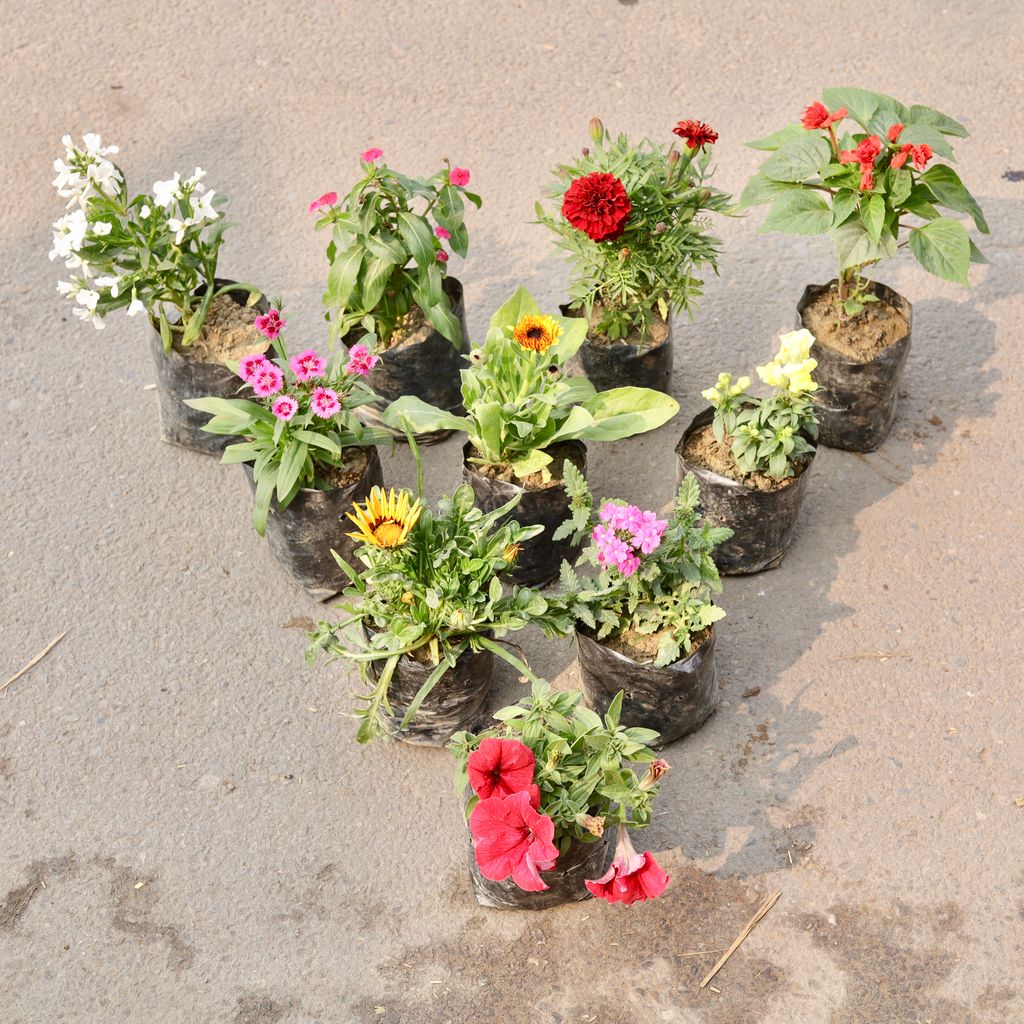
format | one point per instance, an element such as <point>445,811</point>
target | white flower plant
<point>153,253</point>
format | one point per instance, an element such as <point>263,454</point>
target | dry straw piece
<point>747,929</point>
<point>35,661</point>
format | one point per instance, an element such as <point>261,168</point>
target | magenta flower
<point>361,360</point>
<point>248,365</point>
<point>628,564</point>
<point>373,153</point>
<point>611,549</point>
<point>327,199</point>
<point>270,324</point>
<point>443,233</point>
<point>324,403</point>
<point>267,380</point>
<point>459,176</point>
<point>648,532</point>
<point>285,407</point>
<point>441,255</point>
<point>307,365</point>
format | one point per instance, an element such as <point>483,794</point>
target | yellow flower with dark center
<point>537,332</point>
<point>385,519</point>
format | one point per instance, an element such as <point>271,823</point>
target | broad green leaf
<point>918,133</point>
<point>943,248</point>
<point>855,247</point>
<point>510,312</point>
<point>901,181</point>
<point>417,236</point>
<point>797,160</point>
<point>232,407</point>
<point>574,334</point>
<point>778,139</point>
<point>442,319</point>
<point>488,419</point>
<point>949,190</point>
<point>977,256</point>
<point>860,103</point>
<point>799,212</point>
<point>421,418</point>
<point>384,245</point>
<point>760,190</point>
<point>935,118</point>
<point>377,273</point>
<point>624,412</point>
<point>342,277</point>
<point>843,205</point>
<point>531,462</point>
<point>872,213</point>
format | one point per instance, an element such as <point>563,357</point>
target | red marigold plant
<point>553,772</point>
<point>862,167</point>
<point>629,218</point>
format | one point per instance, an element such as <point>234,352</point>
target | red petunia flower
<point>632,878</point>
<point>597,205</point>
<point>817,116</point>
<point>922,154</point>
<point>697,133</point>
<point>500,768</point>
<point>894,131</point>
<point>510,837</point>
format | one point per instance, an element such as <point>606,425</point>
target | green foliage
<point>651,270</point>
<point>816,186</point>
<point>438,591</point>
<point>520,402</point>
<point>580,761</point>
<point>384,252</point>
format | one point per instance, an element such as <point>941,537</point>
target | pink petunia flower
<point>327,199</point>
<point>500,768</point>
<point>632,878</point>
<point>459,176</point>
<point>443,233</point>
<point>270,324</point>
<point>248,365</point>
<point>267,380</point>
<point>285,407</point>
<point>361,360</point>
<point>324,403</point>
<point>373,153</point>
<point>307,365</point>
<point>511,837</point>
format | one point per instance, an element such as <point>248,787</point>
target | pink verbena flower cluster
<point>623,531</point>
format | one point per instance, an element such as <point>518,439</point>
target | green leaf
<point>901,181</point>
<point>778,139</point>
<point>861,103</point>
<point>377,274</point>
<point>844,203</point>
<point>949,190</point>
<point>624,412</point>
<point>421,417</point>
<point>417,236</point>
<point>872,213</point>
<point>510,312</point>
<point>943,248</point>
<point>760,190</point>
<point>976,254</point>
<point>574,334</point>
<point>291,465</point>
<point>197,319</point>
<point>342,277</point>
<point>165,332</point>
<point>918,133</point>
<point>797,160</point>
<point>855,247</point>
<point>935,118</point>
<point>799,212</point>
<point>315,440</point>
<point>261,506</point>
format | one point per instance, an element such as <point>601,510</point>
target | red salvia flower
<point>500,768</point>
<point>817,116</point>
<point>867,177</point>
<point>632,878</point>
<point>864,153</point>
<point>597,205</point>
<point>510,837</point>
<point>697,133</point>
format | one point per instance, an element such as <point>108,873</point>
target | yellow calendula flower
<point>537,332</point>
<point>385,519</point>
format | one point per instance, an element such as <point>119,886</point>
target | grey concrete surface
<point>189,832</point>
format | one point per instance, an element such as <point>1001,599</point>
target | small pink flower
<point>285,407</point>
<point>647,533</point>
<point>267,380</point>
<point>307,365</point>
<point>459,176</point>
<point>441,256</point>
<point>324,403</point>
<point>443,233</point>
<point>361,360</point>
<point>270,324</point>
<point>373,153</point>
<point>327,199</point>
<point>628,565</point>
<point>248,365</point>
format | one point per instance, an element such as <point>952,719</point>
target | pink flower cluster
<point>624,530</point>
<point>270,324</point>
<point>361,361</point>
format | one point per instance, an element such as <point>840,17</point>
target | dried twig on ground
<point>35,661</point>
<point>748,928</point>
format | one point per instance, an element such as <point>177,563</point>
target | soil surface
<point>535,481</point>
<point>860,338</point>
<point>702,448</point>
<point>413,329</point>
<point>643,647</point>
<point>656,336</point>
<point>330,478</point>
<point>228,333</point>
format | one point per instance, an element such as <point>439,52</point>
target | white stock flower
<point>87,297</point>
<point>144,212</point>
<point>94,145</point>
<point>165,192</point>
<point>68,234</point>
<point>193,183</point>
<point>135,306</point>
<point>111,283</point>
<point>66,287</point>
<point>179,227</point>
<point>83,169</point>
<point>204,210</point>
<point>102,227</point>
<point>90,315</point>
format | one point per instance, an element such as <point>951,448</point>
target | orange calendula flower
<point>385,519</point>
<point>537,332</point>
<point>512,553</point>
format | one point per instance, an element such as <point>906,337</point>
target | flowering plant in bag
<point>769,435</point>
<point>630,219</point>
<point>520,401</point>
<point>553,772</point>
<point>864,169</point>
<point>155,252</point>
<point>655,577</point>
<point>388,252</point>
<point>300,419</point>
<point>430,589</point>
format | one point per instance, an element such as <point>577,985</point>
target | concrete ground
<point>189,832</point>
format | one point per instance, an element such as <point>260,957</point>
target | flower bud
<point>596,129</point>
<point>586,151</point>
<point>595,826</point>
<point>511,553</point>
<point>660,228</point>
<point>624,253</point>
<point>655,770</point>
<point>673,158</point>
<point>407,598</point>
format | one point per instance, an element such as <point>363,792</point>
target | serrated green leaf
<point>798,160</point>
<point>782,137</point>
<point>943,248</point>
<point>760,190</point>
<point>945,184</point>
<point>799,212</point>
<point>872,213</point>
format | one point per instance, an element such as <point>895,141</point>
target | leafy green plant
<point>769,435</point>
<point>519,400</point>
<point>642,260</point>
<point>387,254</point>
<point>653,576</point>
<point>867,186</point>
<point>431,585</point>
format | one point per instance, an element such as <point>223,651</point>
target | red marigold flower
<point>597,204</point>
<point>632,878</point>
<point>902,156</point>
<point>922,154</point>
<point>697,133</point>
<point>817,116</point>
<point>500,768</point>
<point>894,131</point>
<point>510,837</point>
